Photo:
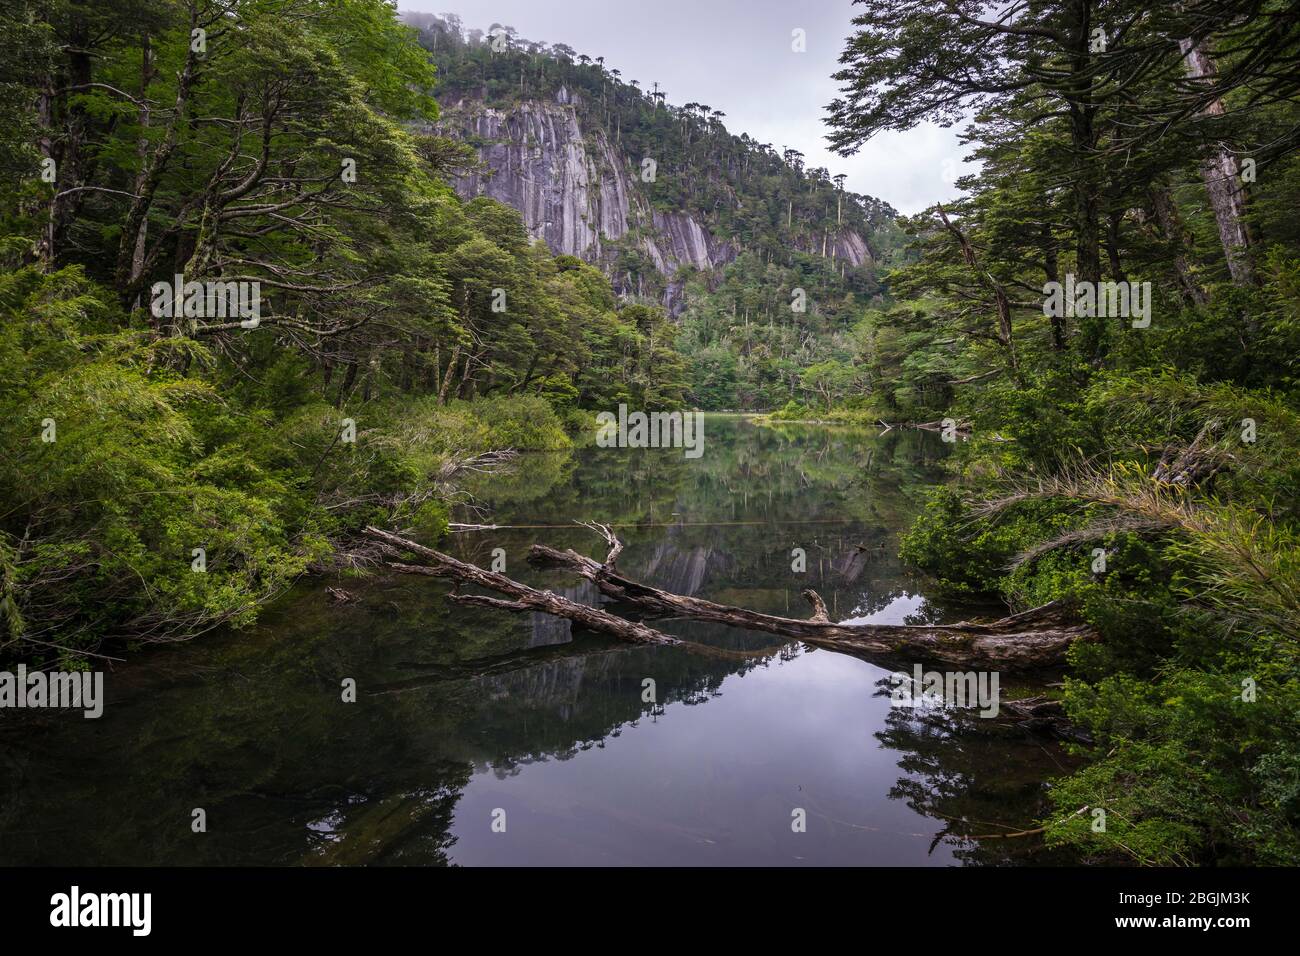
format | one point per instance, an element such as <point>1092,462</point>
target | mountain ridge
<point>622,179</point>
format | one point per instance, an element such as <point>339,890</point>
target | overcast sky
<point>736,56</point>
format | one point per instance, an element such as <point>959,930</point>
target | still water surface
<point>464,713</point>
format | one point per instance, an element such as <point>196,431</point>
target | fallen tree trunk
<point>1033,639</point>
<point>525,598</point>
<point>531,599</point>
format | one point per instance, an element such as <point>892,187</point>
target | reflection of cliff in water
<point>683,570</point>
<point>855,571</point>
<point>545,630</point>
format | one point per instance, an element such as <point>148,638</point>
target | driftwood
<point>1033,639</point>
<point>524,597</point>
<point>531,599</point>
<point>961,428</point>
<point>1194,464</point>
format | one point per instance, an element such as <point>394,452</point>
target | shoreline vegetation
<point>1132,454</point>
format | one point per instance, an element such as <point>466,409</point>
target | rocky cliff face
<point>841,245</point>
<point>573,191</point>
<point>576,190</point>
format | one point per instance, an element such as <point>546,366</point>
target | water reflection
<point>464,713</point>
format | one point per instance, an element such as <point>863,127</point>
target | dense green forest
<point>1141,466</point>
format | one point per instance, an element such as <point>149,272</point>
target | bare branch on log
<point>820,614</point>
<point>611,539</point>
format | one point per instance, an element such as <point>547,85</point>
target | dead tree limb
<point>1032,639</point>
<point>526,598</point>
<point>1043,714</point>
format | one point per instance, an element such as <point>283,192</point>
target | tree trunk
<point>1219,172</point>
<point>450,374</point>
<point>1033,639</point>
<point>127,279</point>
<point>346,388</point>
<point>142,154</point>
<point>1083,140</point>
<point>67,147</point>
<point>1052,270</point>
<point>1177,234</point>
<point>985,278</point>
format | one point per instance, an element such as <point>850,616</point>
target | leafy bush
<point>1192,693</point>
<point>140,501</point>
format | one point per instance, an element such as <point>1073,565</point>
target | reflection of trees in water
<point>253,731</point>
<point>563,707</point>
<point>974,776</point>
<point>553,710</point>
<point>728,521</point>
<point>969,774</point>
<point>408,827</point>
<point>288,774</point>
<point>397,766</point>
<point>927,613</point>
